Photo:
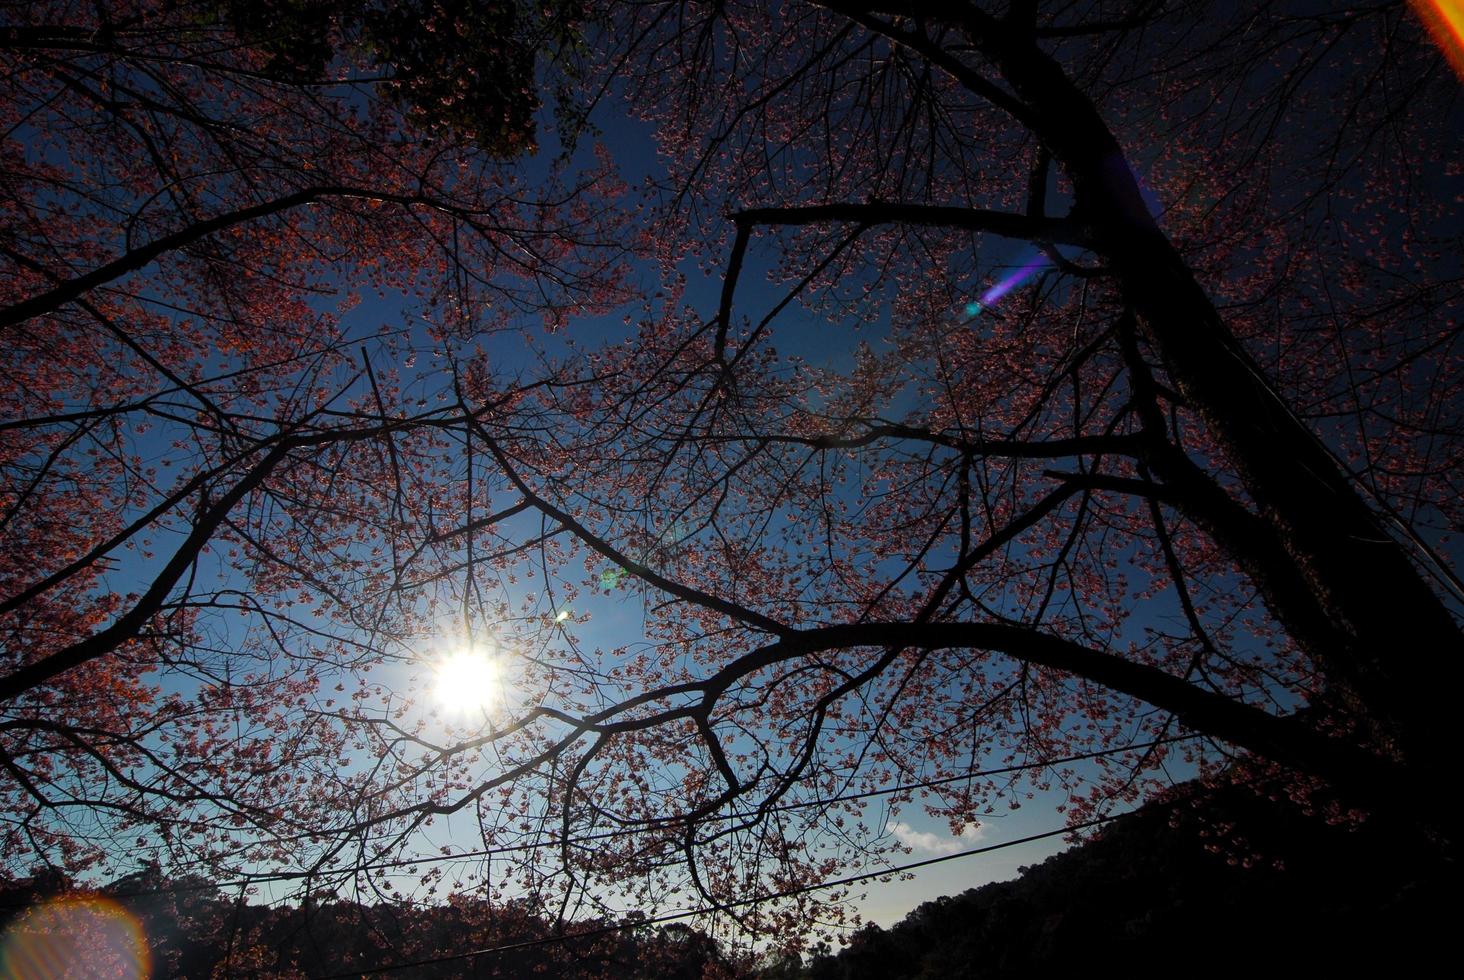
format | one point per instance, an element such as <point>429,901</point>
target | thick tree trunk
<point>1391,652</point>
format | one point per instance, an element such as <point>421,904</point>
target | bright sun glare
<point>469,680</point>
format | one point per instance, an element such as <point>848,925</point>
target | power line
<point>713,909</point>
<point>778,808</point>
<point>284,876</point>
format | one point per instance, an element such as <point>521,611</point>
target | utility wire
<point>283,876</point>
<point>712,909</point>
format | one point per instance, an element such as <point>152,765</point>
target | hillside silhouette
<point>1231,885</point>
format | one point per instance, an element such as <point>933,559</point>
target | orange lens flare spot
<point>1445,22</point>
<point>74,938</point>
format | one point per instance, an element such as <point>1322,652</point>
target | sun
<point>468,681</point>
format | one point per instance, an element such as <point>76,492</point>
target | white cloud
<point>931,843</point>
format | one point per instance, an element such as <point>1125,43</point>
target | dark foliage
<point>461,65</point>
<point>194,930</point>
<point>1231,887</point>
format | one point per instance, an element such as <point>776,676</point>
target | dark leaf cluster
<point>463,66</point>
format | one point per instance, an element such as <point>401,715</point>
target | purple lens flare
<point>1012,281</point>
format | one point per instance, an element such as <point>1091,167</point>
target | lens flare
<point>1445,22</point>
<point>1024,272</point>
<point>73,938</point>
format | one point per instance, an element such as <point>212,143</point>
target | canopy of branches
<point>967,388</point>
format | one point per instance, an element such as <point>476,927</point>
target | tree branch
<point>1007,224</point>
<point>71,289</point>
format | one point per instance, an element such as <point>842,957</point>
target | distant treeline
<point>195,931</point>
